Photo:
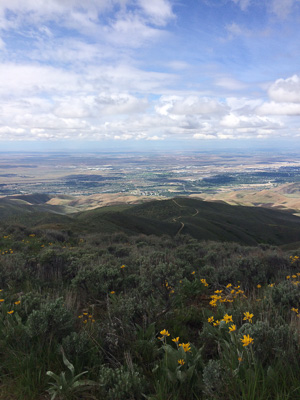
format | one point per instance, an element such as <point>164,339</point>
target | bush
<point>272,343</point>
<point>52,321</point>
<point>121,383</point>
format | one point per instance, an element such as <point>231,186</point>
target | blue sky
<point>147,74</point>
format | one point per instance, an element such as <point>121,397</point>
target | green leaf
<point>67,362</point>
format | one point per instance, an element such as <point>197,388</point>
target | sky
<point>144,74</point>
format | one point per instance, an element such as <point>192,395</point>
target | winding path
<point>182,223</point>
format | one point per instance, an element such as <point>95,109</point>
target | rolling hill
<point>202,220</point>
<point>283,197</point>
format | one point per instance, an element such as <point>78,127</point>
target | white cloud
<point>120,103</point>
<point>155,138</point>
<point>286,90</point>
<point>190,105</point>
<point>248,121</point>
<point>230,121</point>
<point>119,22</point>
<point>28,80</point>
<point>159,11</point>
<point>273,108</point>
<point>230,83</point>
<point>234,29</point>
<point>243,105</point>
<point>73,108</point>
<point>10,131</point>
<point>84,78</point>
<point>31,79</point>
<point>71,51</point>
<point>51,7</point>
<point>282,8</point>
<point>130,31</point>
<point>178,65</point>
<point>242,3</point>
<point>125,136</point>
<point>204,136</point>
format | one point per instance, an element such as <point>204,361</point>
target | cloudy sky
<point>143,73</point>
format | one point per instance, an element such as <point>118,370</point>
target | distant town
<point>145,174</point>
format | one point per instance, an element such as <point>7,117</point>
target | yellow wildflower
<point>288,277</point>
<point>176,340</point>
<point>186,346</point>
<point>85,321</point>
<point>1,300</point>
<point>216,323</point>
<point>80,316</point>
<point>218,291</point>
<point>164,333</point>
<point>204,282</point>
<point>193,273</point>
<point>227,318</point>
<point>17,302</point>
<point>181,362</point>
<point>295,310</point>
<point>232,328</point>
<point>248,316</point>
<point>210,319</point>
<point>10,312</point>
<point>258,286</point>
<point>122,266</point>
<point>112,292</point>
<point>246,340</point>
<point>229,285</point>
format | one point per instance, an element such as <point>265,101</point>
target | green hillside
<point>202,220</point>
<point>139,302</point>
<point>215,221</point>
<point>199,219</point>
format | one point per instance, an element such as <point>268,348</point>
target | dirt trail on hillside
<point>182,223</point>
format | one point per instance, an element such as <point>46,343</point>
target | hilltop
<point>283,197</point>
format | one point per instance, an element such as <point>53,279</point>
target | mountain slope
<point>283,197</point>
<point>215,221</point>
<point>202,220</point>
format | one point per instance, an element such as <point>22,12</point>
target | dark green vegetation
<point>199,219</point>
<point>104,292</point>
